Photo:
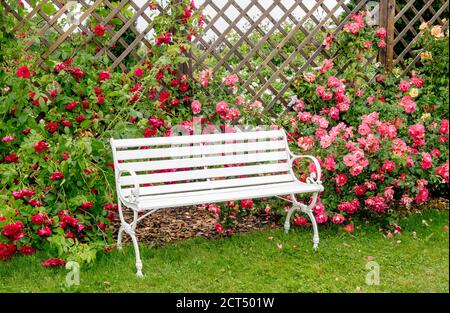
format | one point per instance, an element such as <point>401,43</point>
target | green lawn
<point>253,263</point>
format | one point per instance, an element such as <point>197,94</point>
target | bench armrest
<point>313,177</point>
<point>134,197</point>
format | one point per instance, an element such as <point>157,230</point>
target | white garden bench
<point>162,172</point>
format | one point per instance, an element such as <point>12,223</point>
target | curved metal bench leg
<point>136,245</point>
<point>119,238</point>
<point>308,210</point>
<point>122,225</point>
<point>287,223</point>
<point>316,232</point>
<point>138,255</point>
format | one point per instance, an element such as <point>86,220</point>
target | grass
<point>253,263</point>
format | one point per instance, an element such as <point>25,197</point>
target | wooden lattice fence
<point>266,43</point>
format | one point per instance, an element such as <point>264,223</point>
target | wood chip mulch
<point>170,225</point>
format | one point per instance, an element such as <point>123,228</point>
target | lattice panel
<point>266,43</point>
<point>289,40</point>
<point>65,19</point>
<point>408,17</point>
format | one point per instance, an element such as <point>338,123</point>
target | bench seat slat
<point>211,185</point>
<point>139,142</point>
<point>205,173</point>
<point>203,161</point>
<point>227,194</point>
<point>199,150</point>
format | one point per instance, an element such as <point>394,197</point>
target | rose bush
<point>380,144</point>
<point>55,162</point>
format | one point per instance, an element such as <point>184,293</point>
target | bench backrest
<point>202,162</point>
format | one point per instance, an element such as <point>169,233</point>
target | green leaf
<point>48,8</point>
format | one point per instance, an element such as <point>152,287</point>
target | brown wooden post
<point>390,28</point>
<point>387,16</point>
<point>185,68</point>
<point>382,23</point>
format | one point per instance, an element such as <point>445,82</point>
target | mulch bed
<point>174,224</point>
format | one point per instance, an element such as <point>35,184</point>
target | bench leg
<point>130,228</point>
<point>287,223</point>
<point>308,210</point>
<point>122,227</point>
<point>136,245</point>
<point>119,238</point>
<point>138,255</point>
<point>316,232</point>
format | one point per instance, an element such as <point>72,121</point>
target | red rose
<point>11,158</point>
<point>359,190</point>
<point>160,75</point>
<point>300,221</point>
<point>149,132</point>
<point>23,72</point>
<point>247,203</point>
<point>138,72</point>
<point>7,250</point>
<point>40,146</point>
<point>104,75</point>
<point>102,226</point>
<point>26,250</point>
<point>186,15</point>
<point>34,203</point>
<point>184,87</point>
<point>66,123</point>
<point>52,127</point>
<point>341,179</point>
<point>100,99</point>
<point>111,207</point>
<point>349,228</point>
<point>163,96</point>
<point>28,192</point>
<point>77,73</point>
<point>57,176</point>
<point>71,106</point>
<point>219,228</point>
<point>80,118</point>
<point>85,104</point>
<point>13,231</point>
<point>38,219</point>
<point>175,102</point>
<point>87,205</point>
<point>44,232</point>
<point>67,220</point>
<point>54,262</point>
<point>99,30</point>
